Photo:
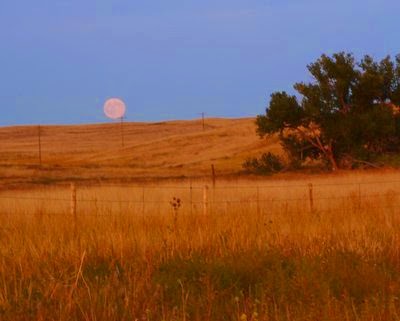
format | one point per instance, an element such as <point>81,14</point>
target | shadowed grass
<point>294,282</point>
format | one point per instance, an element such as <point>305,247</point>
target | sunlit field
<point>245,250</point>
<point>160,150</point>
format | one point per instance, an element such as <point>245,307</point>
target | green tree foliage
<point>350,110</point>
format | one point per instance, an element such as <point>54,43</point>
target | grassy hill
<point>95,152</point>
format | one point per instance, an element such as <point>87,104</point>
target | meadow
<point>94,153</point>
<point>144,239</point>
<point>259,253</point>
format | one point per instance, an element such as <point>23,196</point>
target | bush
<point>268,163</point>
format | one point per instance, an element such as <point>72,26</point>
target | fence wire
<point>205,197</point>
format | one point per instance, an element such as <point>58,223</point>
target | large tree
<point>349,110</point>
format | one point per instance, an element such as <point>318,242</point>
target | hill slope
<point>164,149</point>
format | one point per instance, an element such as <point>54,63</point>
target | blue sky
<point>61,59</point>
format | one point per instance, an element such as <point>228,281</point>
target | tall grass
<point>274,261</point>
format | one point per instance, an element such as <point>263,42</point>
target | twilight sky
<point>61,59</point>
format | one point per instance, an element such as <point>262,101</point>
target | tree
<point>349,109</point>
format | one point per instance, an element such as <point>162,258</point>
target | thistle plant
<point>176,204</point>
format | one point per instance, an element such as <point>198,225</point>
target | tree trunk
<point>326,150</point>
<point>331,157</point>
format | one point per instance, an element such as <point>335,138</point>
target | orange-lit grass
<point>278,261</point>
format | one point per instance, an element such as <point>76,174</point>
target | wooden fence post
<point>73,204</point>
<point>40,145</point>
<point>191,197</point>
<point>143,201</point>
<point>213,175</point>
<point>311,196</point>
<point>205,200</point>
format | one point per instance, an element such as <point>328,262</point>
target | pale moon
<point>114,108</point>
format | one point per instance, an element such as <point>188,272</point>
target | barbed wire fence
<point>210,200</point>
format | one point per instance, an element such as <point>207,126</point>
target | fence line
<point>78,200</point>
<point>216,187</point>
<point>305,185</point>
<point>233,186</point>
<point>207,201</point>
<point>271,213</point>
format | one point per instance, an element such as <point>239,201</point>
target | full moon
<point>114,108</point>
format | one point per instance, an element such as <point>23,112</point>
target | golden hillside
<point>163,149</point>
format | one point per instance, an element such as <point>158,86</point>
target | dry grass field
<point>94,152</point>
<point>248,249</point>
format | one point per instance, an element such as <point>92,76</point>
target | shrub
<point>268,163</point>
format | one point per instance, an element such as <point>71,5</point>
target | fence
<point>147,199</point>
